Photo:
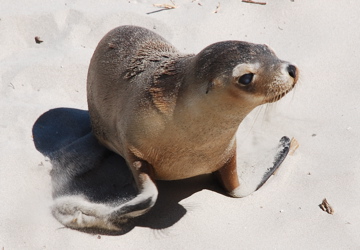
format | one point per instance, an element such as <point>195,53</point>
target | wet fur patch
<point>166,79</point>
<point>149,52</point>
<point>165,86</point>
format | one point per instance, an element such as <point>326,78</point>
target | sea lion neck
<point>213,111</point>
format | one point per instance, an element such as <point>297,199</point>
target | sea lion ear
<point>209,86</point>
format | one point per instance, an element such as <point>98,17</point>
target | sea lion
<point>172,115</point>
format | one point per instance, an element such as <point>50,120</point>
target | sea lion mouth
<point>283,83</point>
<point>279,96</point>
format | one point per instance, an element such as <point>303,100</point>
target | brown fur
<point>176,113</point>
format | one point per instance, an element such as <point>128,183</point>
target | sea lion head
<point>250,72</point>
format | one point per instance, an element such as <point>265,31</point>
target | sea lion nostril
<point>292,71</point>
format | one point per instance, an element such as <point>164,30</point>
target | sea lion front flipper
<point>228,176</point>
<point>253,176</point>
<point>80,213</point>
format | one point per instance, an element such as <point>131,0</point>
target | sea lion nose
<point>292,70</point>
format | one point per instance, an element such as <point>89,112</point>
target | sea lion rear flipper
<point>92,187</point>
<point>79,213</point>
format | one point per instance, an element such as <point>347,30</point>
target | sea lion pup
<point>172,115</point>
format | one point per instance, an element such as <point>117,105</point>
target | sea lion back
<point>120,71</point>
<point>121,51</point>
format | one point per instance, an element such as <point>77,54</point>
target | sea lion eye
<point>246,79</point>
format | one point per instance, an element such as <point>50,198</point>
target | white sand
<point>322,37</point>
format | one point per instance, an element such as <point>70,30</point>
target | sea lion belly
<point>176,153</point>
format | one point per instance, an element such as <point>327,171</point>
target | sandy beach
<point>322,113</point>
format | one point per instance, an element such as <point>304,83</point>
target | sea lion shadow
<point>81,166</point>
